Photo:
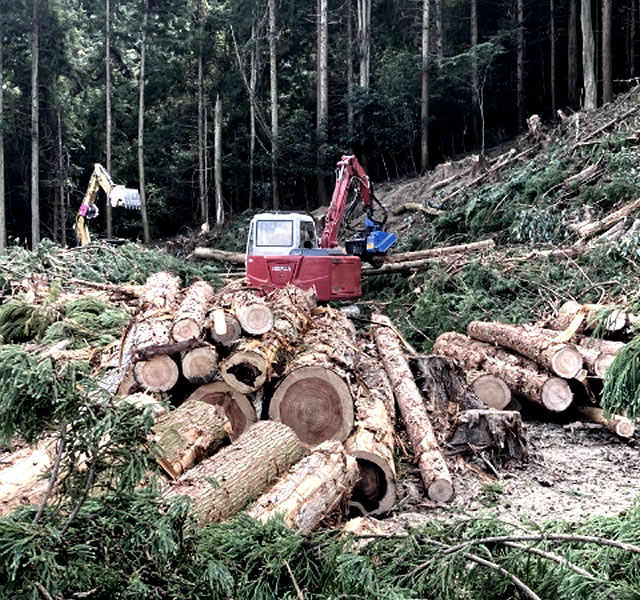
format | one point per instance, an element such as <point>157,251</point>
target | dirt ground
<point>576,470</point>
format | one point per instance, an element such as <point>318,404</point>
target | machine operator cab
<point>281,234</point>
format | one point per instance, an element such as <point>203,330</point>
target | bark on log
<point>236,406</point>
<point>316,395</point>
<point>187,435</point>
<point>372,441</point>
<point>497,435</point>
<point>235,258</point>
<point>312,489</point>
<point>399,257</point>
<point>491,390</point>
<point>600,345</point>
<point>433,468</point>
<point>417,207</point>
<point>587,230</point>
<point>200,365</point>
<point>563,360</point>
<point>576,317</point>
<point>224,328</point>
<point>190,316</point>
<point>255,360</point>
<point>225,483</point>
<point>552,393</point>
<point>617,424</point>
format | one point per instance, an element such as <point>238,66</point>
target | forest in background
<point>236,105</point>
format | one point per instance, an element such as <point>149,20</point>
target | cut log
<point>552,393</point>
<point>252,312</point>
<point>236,406</point>
<point>433,468</point>
<point>372,441</point>
<point>600,345</point>
<point>497,435</point>
<point>160,292</point>
<point>587,230</point>
<point>417,207</point>
<point>399,257</point>
<point>491,390</point>
<point>225,328</point>
<point>187,435</point>
<point>575,318</point>
<point>158,374</point>
<point>312,489</point>
<point>255,360</point>
<point>235,258</point>
<point>563,360</point>
<point>200,365</point>
<point>617,424</point>
<point>190,316</point>
<point>316,395</point>
<point>225,483</point>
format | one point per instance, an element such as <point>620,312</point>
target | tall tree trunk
<point>439,31</point>
<point>552,52</point>
<point>273,69</point>
<point>572,55</point>
<point>107,94</point>
<point>607,77</point>
<point>520,101</point>
<point>3,219</point>
<point>632,38</point>
<point>58,208</point>
<point>350,113</point>
<point>588,65</point>
<point>253,80</point>
<point>323,96</point>
<point>143,195</point>
<point>202,150</point>
<point>35,126</point>
<point>475,76</point>
<point>364,41</point>
<point>424,104</point>
<point>217,144</point>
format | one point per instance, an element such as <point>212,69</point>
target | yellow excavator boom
<point>117,195</point>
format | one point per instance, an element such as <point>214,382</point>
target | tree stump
<point>433,468</point>
<point>312,489</point>
<point>225,483</point>
<point>187,435</point>
<point>316,394</point>
<point>236,406</point>
<point>190,316</point>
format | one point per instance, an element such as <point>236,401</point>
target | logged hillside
<point>117,481</point>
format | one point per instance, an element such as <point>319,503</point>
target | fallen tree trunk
<point>200,365</point>
<point>417,207</point>
<point>433,468</point>
<point>563,360</point>
<point>254,360</point>
<point>574,317</point>
<point>497,435</point>
<point>225,483</point>
<point>617,424</point>
<point>316,394</point>
<point>587,230</point>
<point>312,489</point>
<point>237,408</point>
<point>552,393</point>
<point>190,316</point>
<point>187,435</point>
<point>372,440</point>
<point>235,258</point>
<point>398,257</point>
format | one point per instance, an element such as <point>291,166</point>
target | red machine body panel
<point>335,276</point>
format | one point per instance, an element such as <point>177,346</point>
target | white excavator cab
<point>278,234</point>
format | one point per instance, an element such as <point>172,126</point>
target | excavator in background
<point>282,248</point>
<point>117,195</point>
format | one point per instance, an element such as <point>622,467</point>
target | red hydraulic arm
<point>348,170</point>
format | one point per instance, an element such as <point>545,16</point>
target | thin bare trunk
<point>107,93</point>
<point>364,41</point>
<point>322,75</point>
<point>217,162</point>
<point>424,104</point>
<point>3,219</point>
<point>520,66</point>
<point>552,51</point>
<point>143,195</point>
<point>273,69</point>
<point>439,31</point>
<point>253,79</point>
<point>588,52</point>
<point>202,190</point>
<point>475,78</point>
<point>572,55</point>
<point>350,113</point>
<point>58,207</point>
<point>632,38</point>
<point>35,127</point>
<point>607,76</point>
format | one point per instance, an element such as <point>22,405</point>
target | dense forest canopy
<point>296,85</point>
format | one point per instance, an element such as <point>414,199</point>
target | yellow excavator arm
<point>117,195</point>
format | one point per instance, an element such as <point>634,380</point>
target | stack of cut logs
<point>557,364</point>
